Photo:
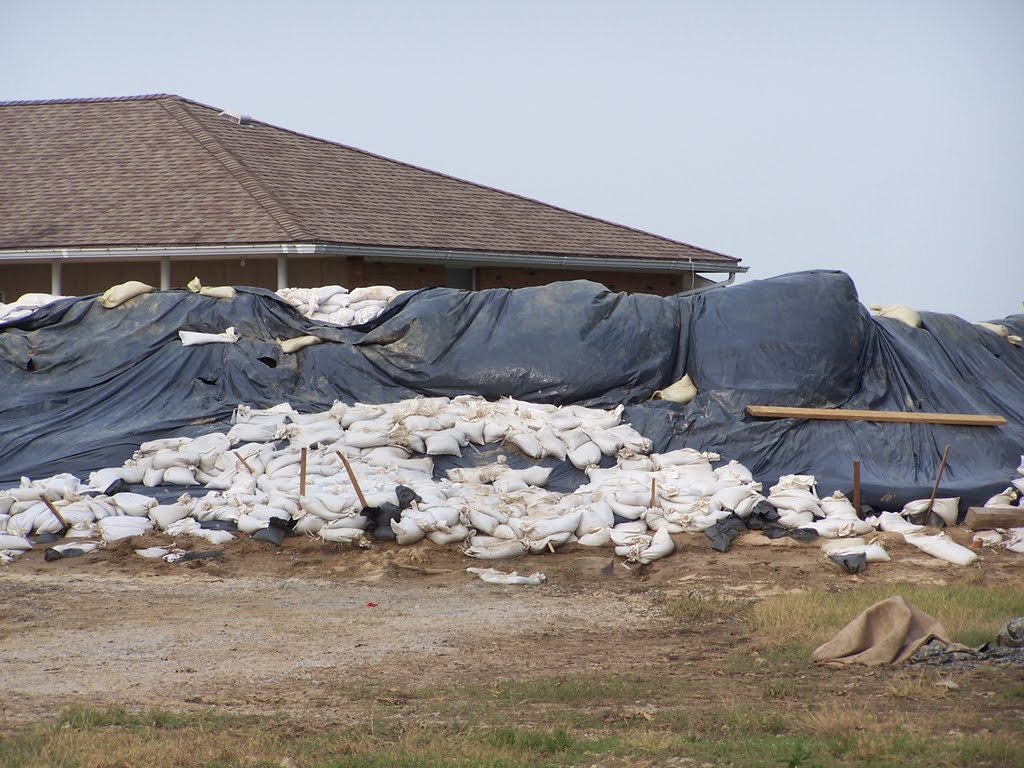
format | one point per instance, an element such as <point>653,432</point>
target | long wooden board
<point>987,518</point>
<point>840,414</point>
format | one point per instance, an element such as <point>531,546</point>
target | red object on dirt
<point>371,605</point>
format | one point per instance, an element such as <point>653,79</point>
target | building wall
<point>81,279</point>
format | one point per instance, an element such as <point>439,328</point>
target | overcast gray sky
<point>881,137</point>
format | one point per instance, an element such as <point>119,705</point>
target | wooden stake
<point>55,511</point>
<point>938,478</point>
<point>302,472</point>
<point>244,462</point>
<point>352,477</point>
<point>654,492</point>
<point>856,486</point>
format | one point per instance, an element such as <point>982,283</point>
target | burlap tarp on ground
<point>889,632</point>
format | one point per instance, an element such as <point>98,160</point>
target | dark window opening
<point>456,277</point>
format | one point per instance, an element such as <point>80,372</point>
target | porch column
<point>165,273</point>
<point>282,271</point>
<point>56,274</point>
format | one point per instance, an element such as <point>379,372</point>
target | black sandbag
<point>851,562</point>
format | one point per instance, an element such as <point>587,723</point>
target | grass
<point>797,623</point>
<point>732,735</point>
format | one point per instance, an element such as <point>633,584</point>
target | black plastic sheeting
<point>81,386</point>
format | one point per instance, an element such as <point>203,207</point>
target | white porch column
<point>165,273</point>
<point>282,271</point>
<point>56,273</point>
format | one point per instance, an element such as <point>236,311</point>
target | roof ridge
<point>490,188</point>
<point>86,100</point>
<point>238,170</point>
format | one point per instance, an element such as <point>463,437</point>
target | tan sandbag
<point>211,291</point>
<point>889,632</point>
<point>900,312</point>
<point>117,295</point>
<point>291,346</point>
<point>683,391</point>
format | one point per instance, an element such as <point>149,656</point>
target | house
<point>160,188</point>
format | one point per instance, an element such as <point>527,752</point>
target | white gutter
<point>373,253</point>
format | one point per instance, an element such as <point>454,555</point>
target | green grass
<point>746,737</point>
<point>794,624</point>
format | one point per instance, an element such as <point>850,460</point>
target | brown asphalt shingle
<point>163,170</point>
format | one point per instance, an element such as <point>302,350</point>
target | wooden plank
<point>842,414</point>
<point>987,518</point>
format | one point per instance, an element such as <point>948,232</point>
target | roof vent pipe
<point>237,116</point>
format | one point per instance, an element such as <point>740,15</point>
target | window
<point>455,277</point>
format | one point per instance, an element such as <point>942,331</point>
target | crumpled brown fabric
<point>889,632</point>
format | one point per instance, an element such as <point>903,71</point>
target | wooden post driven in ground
<point>856,485</point>
<point>352,477</point>
<point>302,471</point>
<point>654,492</point>
<point>55,511</point>
<point>244,462</point>
<point>849,414</point>
<point>938,479</point>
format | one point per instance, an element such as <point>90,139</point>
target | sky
<point>884,138</point>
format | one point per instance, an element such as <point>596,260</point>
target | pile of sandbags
<point>358,473</point>
<point>25,305</point>
<point>338,305</point>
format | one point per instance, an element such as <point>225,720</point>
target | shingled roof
<point>163,170</point>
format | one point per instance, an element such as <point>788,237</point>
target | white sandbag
<point>946,509</point>
<point>1003,499</point>
<point>598,537</point>
<point>366,438</point>
<point>873,553</point>
<point>152,553</point>
<point>900,312</point>
<point>795,482</point>
<point>941,546</point>
<point>986,539</point>
<point>540,528</point>
<point>443,444</point>
<point>893,522</point>
<point>179,476</point>
<point>344,536</point>
<point>472,431</point>
<point>291,346</point>
<point>248,523</point>
<point>117,295</point>
<point>548,543</point>
<point>683,391</point>
<point>795,500</point>
<point>587,455</point>
<point>196,338</point>
<point>731,497</point>
<point>491,576</point>
<point>453,535</point>
<point>838,506</point>
<point>791,520</point>
<point>372,293</point>
<point>1002,331</point>
<point>838,527</point>
<point>735,471</point>
<point>528,443</point>
<point>594,517</point>
<point>489,548</point>
<point>309,525</point>
<point>164,515</point>
<point>551,444</point>
<point>11,541</point>
<point>407,531</point>
<point>123,527</point>
<point>1014,540</point>
<point>661,545</point>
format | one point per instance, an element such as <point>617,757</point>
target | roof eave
<point>375,253</point>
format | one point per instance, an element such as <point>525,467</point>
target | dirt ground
<point>291,630</point>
